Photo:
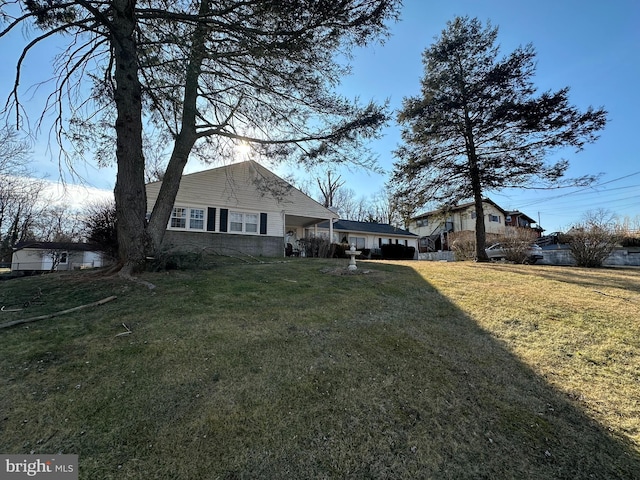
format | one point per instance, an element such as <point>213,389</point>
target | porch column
<point>284,233</point>
<point>330,231</point>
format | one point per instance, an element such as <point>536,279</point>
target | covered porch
<point>297,228</point>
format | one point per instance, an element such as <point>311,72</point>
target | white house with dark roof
<point>368,235</point>
<point>238,208</point>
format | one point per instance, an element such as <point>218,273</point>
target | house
<point>434,227</point>
<point>33,256</point>
<point>368,235</point>
<point>239,208</point>
<point>515,218</point>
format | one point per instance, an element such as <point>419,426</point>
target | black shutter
<point>211,219</point>
<point>224,219</point>
<point>263,224</point>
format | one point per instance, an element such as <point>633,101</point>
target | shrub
<point>464,248</point>
<point>630,241</point>
<point>593,240</point>
<point>176,260</point>
<point>338,250</point>
<point>463,244</point>
<point>517,243</point>
<point>394,251</point>
<point>316,246</point>
<point>101,226</point>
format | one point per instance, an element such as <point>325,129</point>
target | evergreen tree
<point>478,124</point>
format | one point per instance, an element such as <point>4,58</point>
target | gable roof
<point>367,227</point>
<point>457,208</point>
<point>517,213</point>
<point>244,185</point>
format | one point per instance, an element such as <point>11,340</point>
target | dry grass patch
<point>579,329</point>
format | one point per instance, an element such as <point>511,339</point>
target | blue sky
<point>591,46</point>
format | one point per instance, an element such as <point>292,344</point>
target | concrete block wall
<point>558,256</point>
<point>619,257</point>
<point>442,256</point>
<point>225,244</point>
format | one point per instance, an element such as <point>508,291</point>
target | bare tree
<point>385,209</point>
<point>328,188</point>
<point>14,154</point>
<point>350,206</point>
<point>58,223</point>
<point>19,194</point>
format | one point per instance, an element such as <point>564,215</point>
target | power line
<point>581,191</point>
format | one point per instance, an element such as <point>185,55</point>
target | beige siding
<point>26,260</point>
<point>462,220</point>
<point>426,230</point>
<point>244,187</point>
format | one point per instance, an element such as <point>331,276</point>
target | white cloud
<point>74,196</point>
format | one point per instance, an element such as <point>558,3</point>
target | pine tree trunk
<point>185,139</point>
<point>130,193</point>
<point>481,254</point>
<point>476,188</point>
<point>167,194</point>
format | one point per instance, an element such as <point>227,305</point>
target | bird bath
<point>353,253</point>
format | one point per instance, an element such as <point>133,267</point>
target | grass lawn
<point>297,370</point>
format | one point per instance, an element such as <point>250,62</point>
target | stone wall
<point>441,256</point>
<point>559,256</point>
<point>225,244</point>
<point>619,257</point>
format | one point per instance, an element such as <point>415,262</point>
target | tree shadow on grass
<point>421,391</point>
<point>357,376</point>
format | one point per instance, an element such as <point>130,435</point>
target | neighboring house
<point>515,218</point>
<point>32,256</point>
<point>239,208</point>
<point>433,227</point>
<point>368,235</point>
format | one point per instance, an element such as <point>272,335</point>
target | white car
<point>498,251</point>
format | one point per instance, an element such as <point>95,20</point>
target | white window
<point>235,222</point>
<point>358,242</point>
<point>243,222</point>
<point>196,220</point>
<point>64,256</point>
<point>178,218</point>
<point>251,223</point>
<point>422,222</point>
<point>494,218</point>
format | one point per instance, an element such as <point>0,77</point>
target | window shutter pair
<point>224,221</point>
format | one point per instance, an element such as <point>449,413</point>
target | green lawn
<point>296,370</point>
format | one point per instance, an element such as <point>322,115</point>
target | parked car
<point>499,251</point>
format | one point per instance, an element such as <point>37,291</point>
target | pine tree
<point>479,125</point>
